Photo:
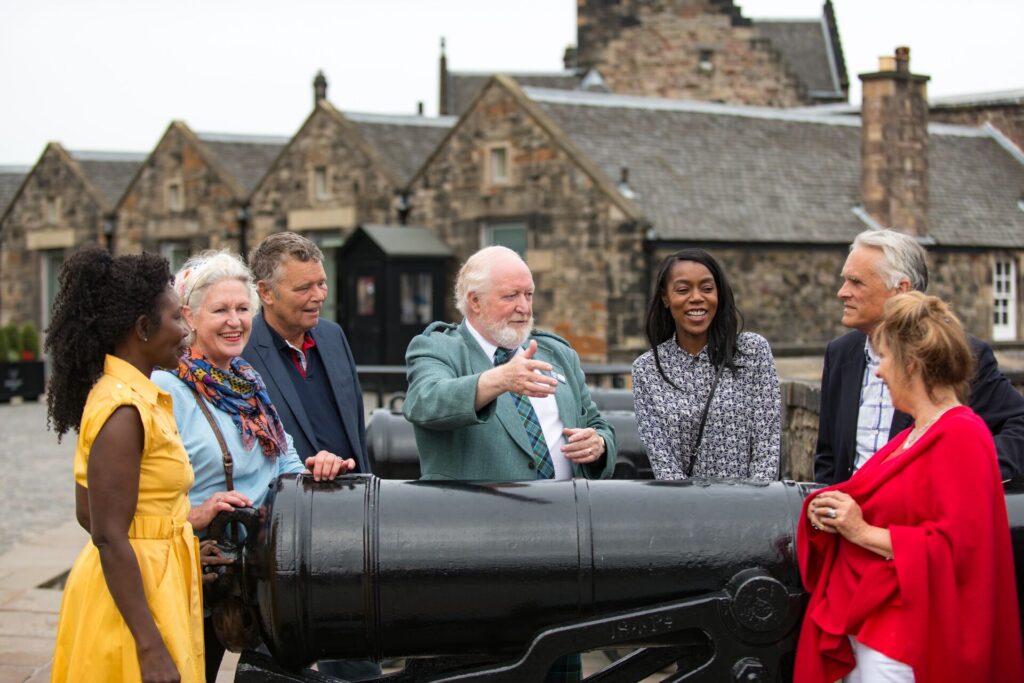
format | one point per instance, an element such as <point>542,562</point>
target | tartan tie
<point>545,468</point>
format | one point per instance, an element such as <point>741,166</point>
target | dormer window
<point>175,199</point>
<point>497,172</point>
<point>321,190</point>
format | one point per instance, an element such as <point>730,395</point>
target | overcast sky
<point>112,74</point>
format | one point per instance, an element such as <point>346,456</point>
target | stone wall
<point>786,294</point>
<point>1009,119</point>
<point>356,191</point>
<point>28,233</point>
<point>207,217</point>
<point>655,48</point>
<point>586,255</point>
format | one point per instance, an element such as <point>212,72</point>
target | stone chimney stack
<point>319,88</point>
<point>894,145</point>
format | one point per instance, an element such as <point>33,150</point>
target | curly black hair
<point>98,301</point>
<point>725,326</point>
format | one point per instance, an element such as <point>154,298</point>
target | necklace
<point>918,432</point>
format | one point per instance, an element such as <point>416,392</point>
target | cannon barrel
<point>364,567</point>
<point>369,567</point>
<point>391,442</point>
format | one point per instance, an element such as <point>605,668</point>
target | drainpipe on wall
<point>242,216</point>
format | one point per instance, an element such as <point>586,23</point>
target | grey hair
<point>266,259</point>
<point>475,274</point>
<point>902,257</point>
<point>206,269</point>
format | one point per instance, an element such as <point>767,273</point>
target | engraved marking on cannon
<point>635,630</point>
<point>760,603</point>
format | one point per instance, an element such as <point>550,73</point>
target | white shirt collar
<point>869,351</point>
<point>489,348</point>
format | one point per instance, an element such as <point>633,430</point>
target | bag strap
<point>229,465</point>
<point>703,419</point>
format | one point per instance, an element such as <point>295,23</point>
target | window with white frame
<point>321,190</point>
<point>52,210</point>
<point>511,234</point>
<point>1004,301</point>
<point>176,254</point>
<point>175,198</point>
<point>497,165</point>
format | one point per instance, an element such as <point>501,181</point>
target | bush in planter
<point>29,342</point>
<point>4,347</point>
<point>12,340</point>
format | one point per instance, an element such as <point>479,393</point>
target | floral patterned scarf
<point>241,394</point>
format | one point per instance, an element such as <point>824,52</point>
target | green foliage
<point>4,348</point>
<point>29,341</point>
<point>12,340</point>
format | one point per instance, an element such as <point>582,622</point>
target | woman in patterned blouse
<point>693,327</point>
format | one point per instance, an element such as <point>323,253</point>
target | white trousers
<point>874,667</point>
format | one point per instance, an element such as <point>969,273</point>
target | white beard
<point>507,336</point>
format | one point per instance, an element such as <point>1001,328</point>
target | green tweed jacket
<point>457,442</point>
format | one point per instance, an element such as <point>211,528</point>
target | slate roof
<point>11,178</point>
<point>245,157</point>
<point>807,50</point>
<point>706,172</point>
<point>463,86</point>
<point>403,142</point>
<point>109,172</point>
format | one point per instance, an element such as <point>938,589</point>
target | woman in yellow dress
<point>132,606</point>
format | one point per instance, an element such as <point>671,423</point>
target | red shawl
<point>946,604</point>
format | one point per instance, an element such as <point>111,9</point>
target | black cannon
<point>391,443</point>
<point>492,582</point>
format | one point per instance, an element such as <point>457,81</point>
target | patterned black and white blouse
<point>741,435</point>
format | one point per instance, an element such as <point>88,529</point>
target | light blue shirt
<point>874,418</point>
<point>254,473</point>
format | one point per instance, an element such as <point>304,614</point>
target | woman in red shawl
<point>909,563</point>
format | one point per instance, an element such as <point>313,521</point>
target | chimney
<point>894,145</point>
<point>319,88</point>
<point>442,106</point>
<point>419,108</point>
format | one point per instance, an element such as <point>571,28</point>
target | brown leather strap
<point>229,464</point>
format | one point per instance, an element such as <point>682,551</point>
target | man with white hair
<point>493,399</point>
<point>857,416</point>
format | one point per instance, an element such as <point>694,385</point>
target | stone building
<point>341,170</point>
<point>192,193</point>
<point>594,189</point>
<point>686,49</point>
<point>1004,110</point>
<point>65,201</point>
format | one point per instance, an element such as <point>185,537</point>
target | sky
<point>112,74</point>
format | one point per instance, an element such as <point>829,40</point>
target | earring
<point>145,339</point>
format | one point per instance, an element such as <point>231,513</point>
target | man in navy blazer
<point>857,416</point>
<point>305,362</point>
<point>308,368</point>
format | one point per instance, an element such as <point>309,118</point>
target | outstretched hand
<point>522,374</point>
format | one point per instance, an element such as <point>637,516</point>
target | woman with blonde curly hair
<point>909,563</point>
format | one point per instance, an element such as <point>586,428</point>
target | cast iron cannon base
<point>745,633</point>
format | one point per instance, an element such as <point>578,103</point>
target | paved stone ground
<point>38,484</point>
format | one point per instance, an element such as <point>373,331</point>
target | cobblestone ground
<point>37,491</point>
